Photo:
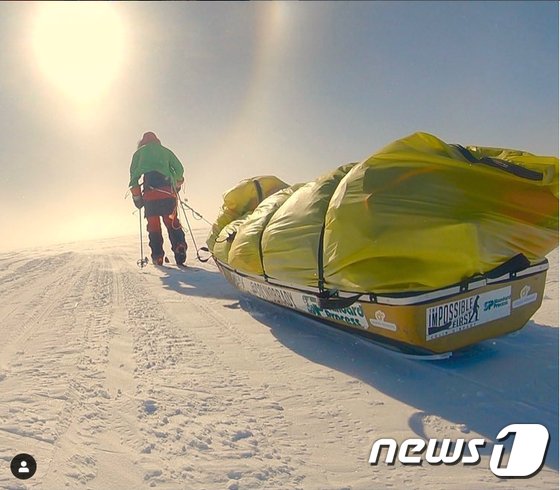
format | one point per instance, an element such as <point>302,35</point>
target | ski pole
<point>143,260</point>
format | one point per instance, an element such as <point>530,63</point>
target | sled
<point>424,244</point>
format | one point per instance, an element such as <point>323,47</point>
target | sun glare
<point>79,47</point>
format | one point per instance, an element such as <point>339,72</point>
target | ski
<point>406,353</point>
<point>169,266</point>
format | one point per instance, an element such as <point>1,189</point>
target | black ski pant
<point>174,231</point>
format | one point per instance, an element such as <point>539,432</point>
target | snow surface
<point>117,377</point>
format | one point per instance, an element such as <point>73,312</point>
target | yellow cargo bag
<point>416,216</point>
<point>242,198</point>
<point>245,253</point>
<point>421,214</point>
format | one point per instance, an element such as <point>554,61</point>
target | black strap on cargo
<point>329,302</point>
<point>327,299</point>
<point>229,238</point>
<point>515,264</point>
<point>260,195</point>
<point>320,262</point>
<point>512,168</point>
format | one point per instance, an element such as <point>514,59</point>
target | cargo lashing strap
<point>516,264</point>
<point>510,267</point>
<point>329,299</point>
<point>512,168</point>
<point>260,195</point>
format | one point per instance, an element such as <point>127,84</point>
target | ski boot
<point>156,245</point>
<point>180,254</point>
<point>158,260</point>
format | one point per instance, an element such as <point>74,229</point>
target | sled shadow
<point>199,282</point>
<point>512,379</point>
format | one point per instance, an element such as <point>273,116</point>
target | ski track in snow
<point>113,376</point>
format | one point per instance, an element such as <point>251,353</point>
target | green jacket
<point>155,157</point>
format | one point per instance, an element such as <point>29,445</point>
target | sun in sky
<point>79,47</point>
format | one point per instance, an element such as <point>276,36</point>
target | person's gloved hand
<point>138,201</point>
<point>137,196</point>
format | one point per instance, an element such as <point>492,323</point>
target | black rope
<point>196,214</point>
<point>192,234</point>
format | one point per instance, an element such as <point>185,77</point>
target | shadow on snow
<point>512,379</point>
<point>198,282</point>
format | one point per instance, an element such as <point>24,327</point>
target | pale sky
<point>251,88</point>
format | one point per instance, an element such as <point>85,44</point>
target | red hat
<point>148,137</point>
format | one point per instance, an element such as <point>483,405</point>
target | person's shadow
<point>511,379</point>
<point>199,282</point>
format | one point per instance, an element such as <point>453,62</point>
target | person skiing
<point>163,178</point>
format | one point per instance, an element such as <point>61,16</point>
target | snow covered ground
<point>117,377</point>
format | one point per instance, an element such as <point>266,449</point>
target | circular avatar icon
<point>23,466</point>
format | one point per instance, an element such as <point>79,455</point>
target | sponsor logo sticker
<point>269,293</point>
<point>524,297</point>
<point>465,313</point>
<point>379,321</point>
<point>352,315</point>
